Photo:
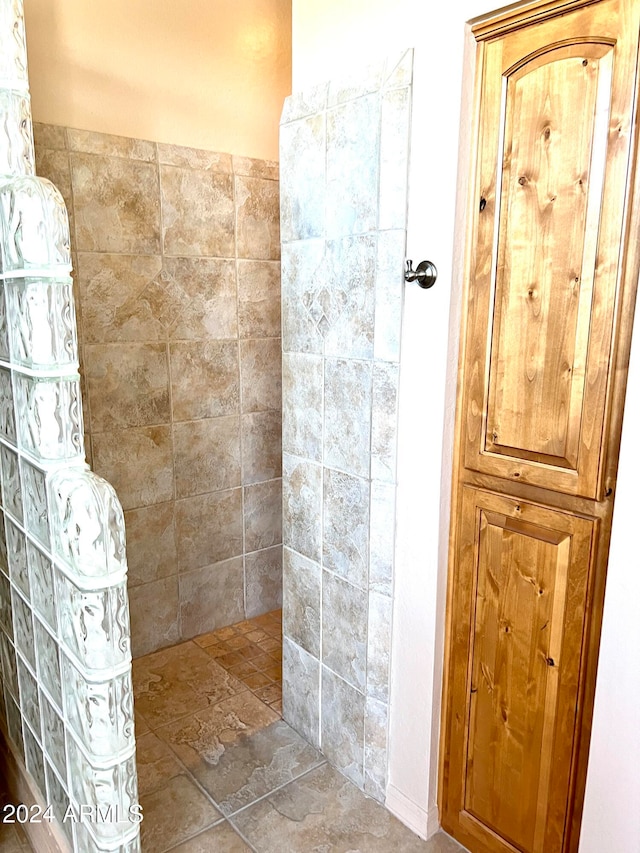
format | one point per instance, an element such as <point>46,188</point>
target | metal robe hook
<point>425,273</point>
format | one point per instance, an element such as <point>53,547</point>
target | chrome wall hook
<point>425,273</point>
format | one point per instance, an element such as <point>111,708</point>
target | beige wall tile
<point>198,212</point>
<point>151,543</point>
<point>138,463</point>
<point>259,313</point>
<point>128,385</point>
<point>116,204</point>
<point>207,298</point>
<point>122,298</point>
<point>261,374</point>
<point>208,528</point>
<point>207,455</point>
<point>258,218</point>
<point>261,447</point>
<point>263,579</point>
<point>154,615</point>
<point>53,165</point>
<point>193,158</point>
<point>256,168</point>
<point>109,145</point>
<point>211,597</point>
<point>49,136</point>
<point>263,515</point>
<point>204,379</point>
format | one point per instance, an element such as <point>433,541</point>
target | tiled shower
<point>176,259</point>
<point>177,285</point>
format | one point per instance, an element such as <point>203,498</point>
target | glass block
<point>85,842</point>
<point>87,523</point>
<point>4,558</point>
<point>16,133</point>
<point>100,712</point>
<point>4,332</point>
<point>29,700</point>
<point>13,50</point>
<point>34,500</point>
<point>34,227</point>
<point>8,664</point>
<point>94,624</point>
<point>11,488</point>
<point>58,797</point>
<point>42,322</point>
<point>49,417</point>
<point>42,585</point>
<point>23,629</point>
<point>18,569</point>
<point>14,721</point>
<point>48,662</point>
<point>7,416</point>
<point>34,759</point>
<point>54,735</point>
<point>6,615</point>
<point>112,789</point>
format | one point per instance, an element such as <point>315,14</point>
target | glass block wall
<point>66,703</point>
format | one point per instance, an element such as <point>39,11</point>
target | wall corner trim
<point>424,823</point>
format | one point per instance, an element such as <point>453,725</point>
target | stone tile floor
<point>219,771</point>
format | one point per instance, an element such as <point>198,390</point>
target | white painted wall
<point>329,39</point>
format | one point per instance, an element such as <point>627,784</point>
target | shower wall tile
<point>263,580</point>
<point>203,303</point>
<point>345,525</point>
<point>207,455</point>
<point>302,183</point>
<point>128,385</point>
<point>342,726</point>
<point>117,297</point>
<point>263,515</point>
<point>194,158</point>
<point>301,691</point>
<point>151,543</point>
<point>211,597</point>
<point>347,415</point>
<point>154,615</point>
<point>261,446</point>
<point>344,163</point>
<point>208,529</point>
<point>253,168</point>
<point>389,294</point>
<point>176,252</point>
<point>384,421</point>
<point>259,313</point>
<point>394,158</point>
<point>108,145</point>
<point>150,480</point>
<point>301,601</point>
<point>116,205</point>
<point>205,380</point>
<point>353,142</point>
<point>197,212</point>
<point>302,506</point>
<point>257,218</point>
<point>344,630</point>
<point>303,404</point>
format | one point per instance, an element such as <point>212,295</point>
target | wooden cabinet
<point>551,274</point>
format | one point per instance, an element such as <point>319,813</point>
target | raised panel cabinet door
<point>520,606</point>
<point>551,270</point>
<point>555,141</point>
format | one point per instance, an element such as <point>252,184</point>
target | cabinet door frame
<point>478,31</point>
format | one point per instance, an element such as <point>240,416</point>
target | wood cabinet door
<point>550,280</point>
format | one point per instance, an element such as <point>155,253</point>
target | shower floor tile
<point>219,770</point>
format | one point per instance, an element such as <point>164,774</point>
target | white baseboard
<point>424,823</point>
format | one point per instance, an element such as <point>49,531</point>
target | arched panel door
<point>551,270</point>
